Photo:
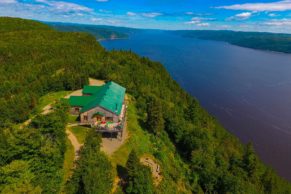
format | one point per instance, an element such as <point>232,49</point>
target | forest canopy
<point>255,40</point>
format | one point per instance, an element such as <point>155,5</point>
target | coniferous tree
<point>155,120</point>
<point>93,173</point>
<point>139,180</point>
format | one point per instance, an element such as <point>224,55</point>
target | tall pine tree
<point>155,120</point>
<point>139,180</point>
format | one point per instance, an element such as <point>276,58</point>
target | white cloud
<point>279,22</point>
<point>7,1</point>
<point>200,21</point>
<point>151,14</point>
<point>284,5</point>
<point>131,13</point>
<point>244,15</point>
<point>272,15</point>
<point>192,22</point>
<point>203,24</point>
<point>225,27</point>
<point>96,19</point>
<point>144,14</point>
<point>241,16</point>
<point>64,7</point>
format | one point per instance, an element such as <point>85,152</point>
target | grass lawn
<point>80,133</point>
<point>68,163</point>
<point>50,98</point>
<point>72,118</point>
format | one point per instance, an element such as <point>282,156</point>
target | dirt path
<point>155,168</point>
<point>96,82</point>
<point>47,109</point>
<point>77,146</point>
<point>75,93</point>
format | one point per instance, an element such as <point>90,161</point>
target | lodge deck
<point>118,129</point>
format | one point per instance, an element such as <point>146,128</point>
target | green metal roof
<point>109,96</point>
<point>80,100</point>
<point>91,89</point>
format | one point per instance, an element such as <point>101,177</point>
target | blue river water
<point>248,91</point>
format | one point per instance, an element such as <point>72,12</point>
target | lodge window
<point>77,109</point>
<point>109,118</point>
<point>85,118</point>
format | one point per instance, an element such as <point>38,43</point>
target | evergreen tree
<point>250,161</point>
<point>16,178</point>
<point>155,120</point>
<point>139,180</point>
<point>93,174</point>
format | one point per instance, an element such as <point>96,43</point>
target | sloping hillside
<point>100,32</point>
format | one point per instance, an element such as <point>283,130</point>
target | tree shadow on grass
<point>122,174</point>
<point>121,171</point>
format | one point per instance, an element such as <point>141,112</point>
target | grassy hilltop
<point>196,154</point>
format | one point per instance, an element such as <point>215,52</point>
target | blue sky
<point>247,15</point>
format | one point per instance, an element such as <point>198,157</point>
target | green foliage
<point>155,120</point>
<point>93,173</point>
<point>16,177</point>
<point>39,148</point>
<point>100,32</point>
<point>68,164</point>
<point>17,24</point>
<point>160,147</point>
<point>38,60</point>
<point>139,177</point>
<point>255,40</point>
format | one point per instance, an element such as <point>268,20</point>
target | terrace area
<point>112,127</point>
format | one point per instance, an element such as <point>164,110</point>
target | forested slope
<point>35,60</point>
<point>256,40</point>
<point>99,31</point>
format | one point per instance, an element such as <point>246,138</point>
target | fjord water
<point>248,91</point>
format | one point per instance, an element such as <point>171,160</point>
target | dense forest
<point>255,40</point>
<point>36,59</point>
<point>100,32</point>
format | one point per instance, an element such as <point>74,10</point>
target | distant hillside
<point>255,40</point>
<point>101,32</point>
